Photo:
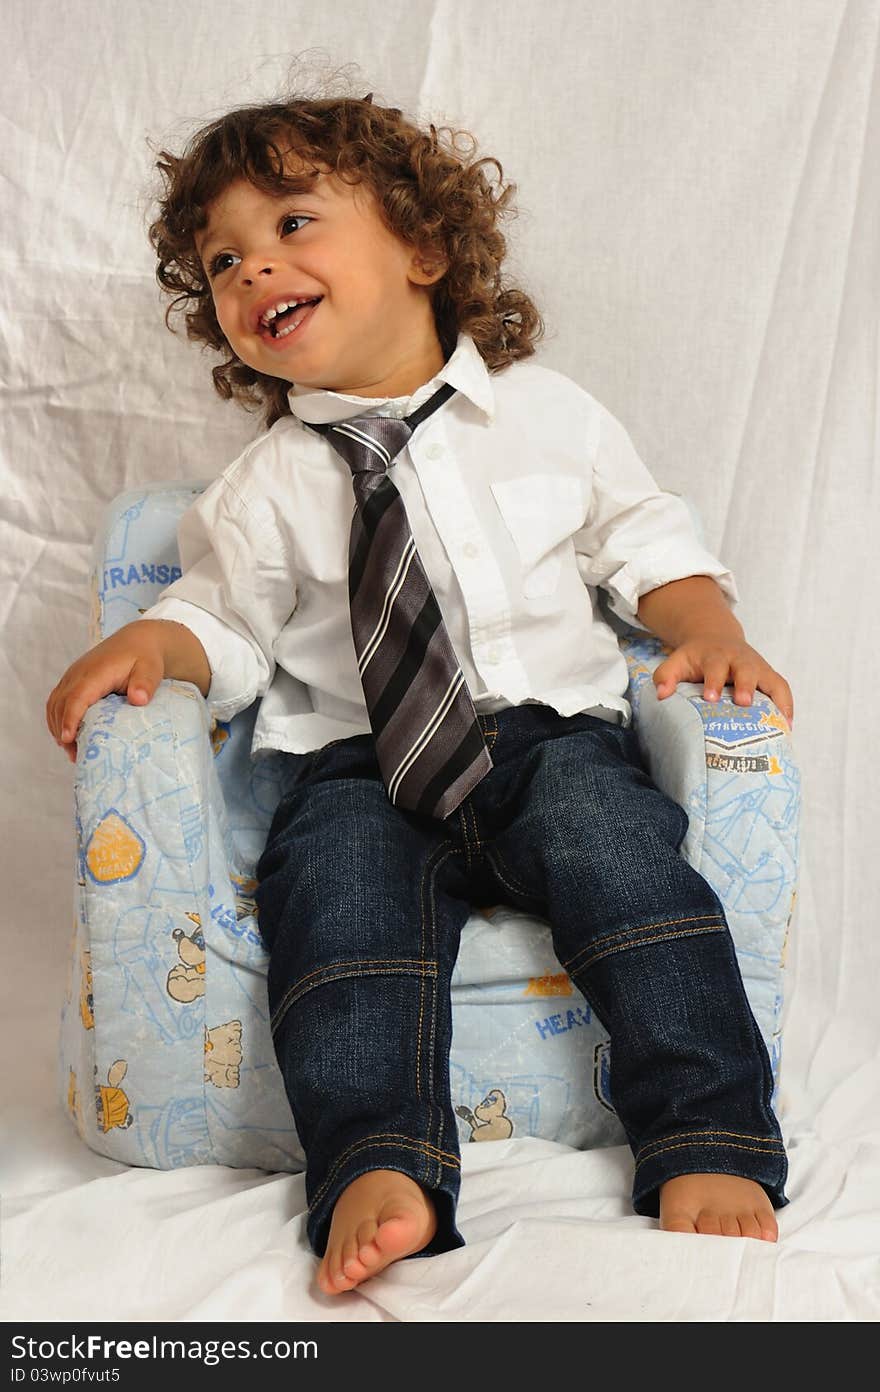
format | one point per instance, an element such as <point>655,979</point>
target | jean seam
<point>648,942</point>
<point>694,1137</point>
<point>291,998</point>
<point>508,878</point>
<point>494,857</point>
<point>381,1138</point>
<point>496,860</point>
<point>779,1153</point>
<point>426,894</point>
<point>416,966</point>
<point>609,942</point>
<point>490,736</point>
<point>468,811</point>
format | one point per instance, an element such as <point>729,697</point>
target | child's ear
<point>427,269</point>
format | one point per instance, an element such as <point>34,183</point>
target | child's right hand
<point>131,662</point>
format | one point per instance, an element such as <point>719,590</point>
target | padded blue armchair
<point>166,1057</point>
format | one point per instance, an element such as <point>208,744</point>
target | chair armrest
<point>732,768</point>
<point>145,775</point>
<point>688,743</point>
<point>147,808</point>
<point>172,1010</point>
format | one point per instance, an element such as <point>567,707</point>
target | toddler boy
<point>417,537</point>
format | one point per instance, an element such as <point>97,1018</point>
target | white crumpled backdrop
<point>698,183</point>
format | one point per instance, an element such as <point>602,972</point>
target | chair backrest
<point>135,557</point>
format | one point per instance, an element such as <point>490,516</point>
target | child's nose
<point>258,266</point>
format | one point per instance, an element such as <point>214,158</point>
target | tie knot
<point>369,444</point>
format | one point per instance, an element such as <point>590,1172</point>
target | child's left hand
<point>713,661</point>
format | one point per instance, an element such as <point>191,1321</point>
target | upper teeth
<point>270,314</point>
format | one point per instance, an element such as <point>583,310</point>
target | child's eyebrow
<point>306,186</point>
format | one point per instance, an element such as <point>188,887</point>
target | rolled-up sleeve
<point>636,536</point>
<point>236,593</point>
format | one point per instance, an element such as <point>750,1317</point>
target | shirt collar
<point>465,370</point>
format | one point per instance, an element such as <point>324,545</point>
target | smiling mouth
<point>286,320</point>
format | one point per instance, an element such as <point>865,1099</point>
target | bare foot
<point>380,1217</point>
<point>723,1205</point>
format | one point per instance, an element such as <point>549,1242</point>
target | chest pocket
<point>541,511</point>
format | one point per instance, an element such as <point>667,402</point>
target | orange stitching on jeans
<point>646,927</point>
<point>417,963</point>
<point>626,947</point>
<point>363,1145</point>
<point>707,1131</point>
<point>687,1145</point>
<point>477,840</point>
<point>496,860</point>
<point>402,1142</point>
<point>467,811</point>
<point>428,886</point>
<point>291,997</point>
<point>710,919</point>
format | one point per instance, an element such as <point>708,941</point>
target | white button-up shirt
<point>523,494</point>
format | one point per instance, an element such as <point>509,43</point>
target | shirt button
<point>434,451</point>
<point>494,653</point>
<point>470,550</point>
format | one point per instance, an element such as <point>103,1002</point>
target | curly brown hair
<point>430,194</point>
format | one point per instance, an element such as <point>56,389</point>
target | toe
<point>348,1259</point>
<point>749,1225</point>
<point>331,1278</point>
<point>729,1225</point>
<point>768,1225</point>
<point>709,1223</point>
<point>368,1252</point>
<point>342,1282</point>
<point>678,1222</point>
<point>352,1265</point>
<point>323,1276</point>
<point>394,1236</point>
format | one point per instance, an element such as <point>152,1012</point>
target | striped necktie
<point>429,744</point>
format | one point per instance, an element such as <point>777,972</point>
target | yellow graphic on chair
<point>488,1121</point>
<point>115,851</point>
<point>219,736</point>
<point>73,1101</point>
<point>775,720</point>
<point>86,998</point>
<point>111,1102</point>
<point>550,985</point>
<point>186,979</point>
<point>223,1054</point>
<point>245,903</point>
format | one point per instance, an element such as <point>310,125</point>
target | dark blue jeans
<point>361,907</point>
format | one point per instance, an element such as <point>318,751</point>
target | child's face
<point>372,333</point>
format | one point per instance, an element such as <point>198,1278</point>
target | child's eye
<point>222,261</point>
<point>292,217</point>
